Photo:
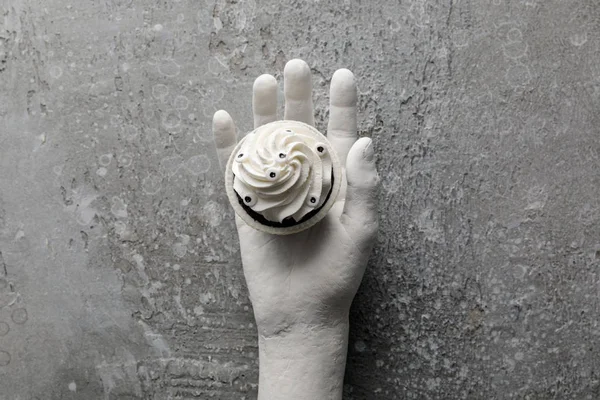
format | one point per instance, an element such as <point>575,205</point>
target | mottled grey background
<point>120,275</point>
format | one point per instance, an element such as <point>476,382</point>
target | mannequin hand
<point>306,281</point>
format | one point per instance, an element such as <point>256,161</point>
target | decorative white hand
<point>302,285</point>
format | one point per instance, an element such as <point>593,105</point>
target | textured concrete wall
<point>120,275</point>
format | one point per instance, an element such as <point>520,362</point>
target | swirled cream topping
<point>283,170</point>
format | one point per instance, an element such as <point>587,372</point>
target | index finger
<point>342,127</point>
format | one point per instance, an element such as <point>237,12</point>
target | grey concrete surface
<point>120,276</point>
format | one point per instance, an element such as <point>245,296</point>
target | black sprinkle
<point>272,174</point>
<point>313,200</point>
<point>240,155</point>
<point>320,149</point>
<point>247,199</point>
<point>281,155</point>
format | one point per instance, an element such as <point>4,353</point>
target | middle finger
<point>297,88</point>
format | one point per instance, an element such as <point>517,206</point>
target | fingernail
<point>369,152</point>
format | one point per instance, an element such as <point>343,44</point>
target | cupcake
<point>283,177</point>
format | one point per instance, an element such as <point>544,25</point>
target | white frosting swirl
<point>283,170</point>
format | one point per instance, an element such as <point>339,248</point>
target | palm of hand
<point>306,279</point>
<point>309,278</point>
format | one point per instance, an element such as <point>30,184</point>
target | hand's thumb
<point>360,208</point>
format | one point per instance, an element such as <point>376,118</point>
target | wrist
<point>304,362</point>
